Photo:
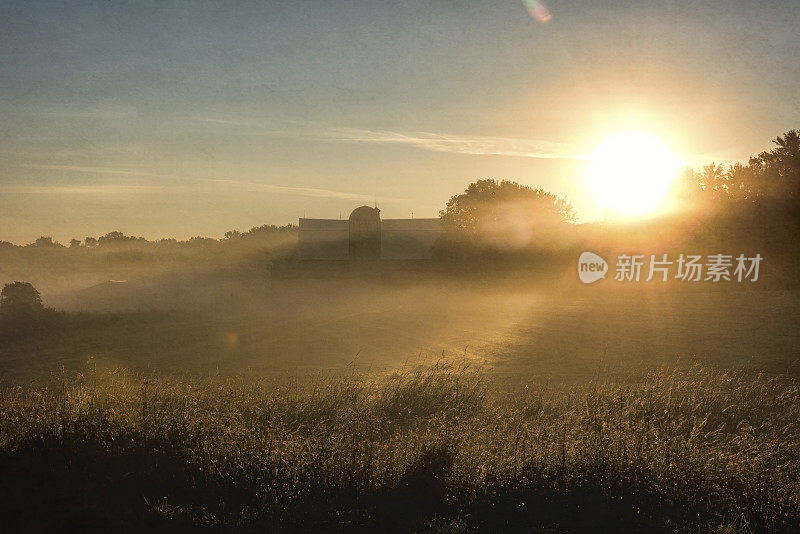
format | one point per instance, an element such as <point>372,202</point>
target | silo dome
<point>365,233</point>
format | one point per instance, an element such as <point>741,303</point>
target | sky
<point>177,119</point>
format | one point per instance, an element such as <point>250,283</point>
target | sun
<point>631,172</point>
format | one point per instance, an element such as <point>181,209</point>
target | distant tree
<point>232,234</point>
<point>90,242</point>
<point>783,163</point>
<point>771,179</point>
<point>45,242</point>
<point>117,238</point>
<point>714,181</point>
<point>112,236</point>
<point>74,243</point>
<point>688,186</point>
<point>489,208</point>
<point>504,215</point>
<point>270,230</point>
<point>742,184</point>
<point>20,298</point>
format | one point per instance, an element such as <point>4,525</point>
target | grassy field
<point>441,448</point>
<point>354,403</point>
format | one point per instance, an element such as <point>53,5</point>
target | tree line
<point>119,239</point>
<point>770,179</point>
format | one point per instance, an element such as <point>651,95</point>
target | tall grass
<point>442,448</point>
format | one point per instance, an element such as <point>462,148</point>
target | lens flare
<point>538,10</point>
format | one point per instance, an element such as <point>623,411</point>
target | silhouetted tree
<point>45,242</point>
<point>504,214</point>
<point>20,299</point>
<point>118,238</point>
<point>269,230</point>
<point>74,243</point>
<point>504,218</point>
<point>781,166</point>
<point>742,184</point>
<point>771,179</point>
<point>713,181</point>
<point>688,187</point>
<point>489,202</point>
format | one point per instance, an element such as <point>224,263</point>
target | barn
<point>364,235</point>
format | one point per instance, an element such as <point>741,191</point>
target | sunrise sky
<point>193,118</point>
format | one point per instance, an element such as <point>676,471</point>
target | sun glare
<point>631,172</point>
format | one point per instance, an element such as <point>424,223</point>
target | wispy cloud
<point>461,144</point>
<point>75,110</point>
<point>88,170</point>
<point>302,191</point>
<point>436,142</point>
<point>130,188</point>
<point>231,122</point>
<point>85,189</point>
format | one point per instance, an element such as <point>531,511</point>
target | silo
<point>365,233</point>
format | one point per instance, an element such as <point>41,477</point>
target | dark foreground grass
<point>442,449</point>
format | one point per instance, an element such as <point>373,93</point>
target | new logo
<point>591,267</point>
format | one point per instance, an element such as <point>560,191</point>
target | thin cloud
<point>436,142</point>
<point>230,122</point>
<point>89,170</point>
<point>242,184</point>
<point>106,111</point>
<point>460,144</point>
<point>303,191</point>
<point>89,189</point>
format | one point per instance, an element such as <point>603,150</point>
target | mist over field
<point>248,305</point>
